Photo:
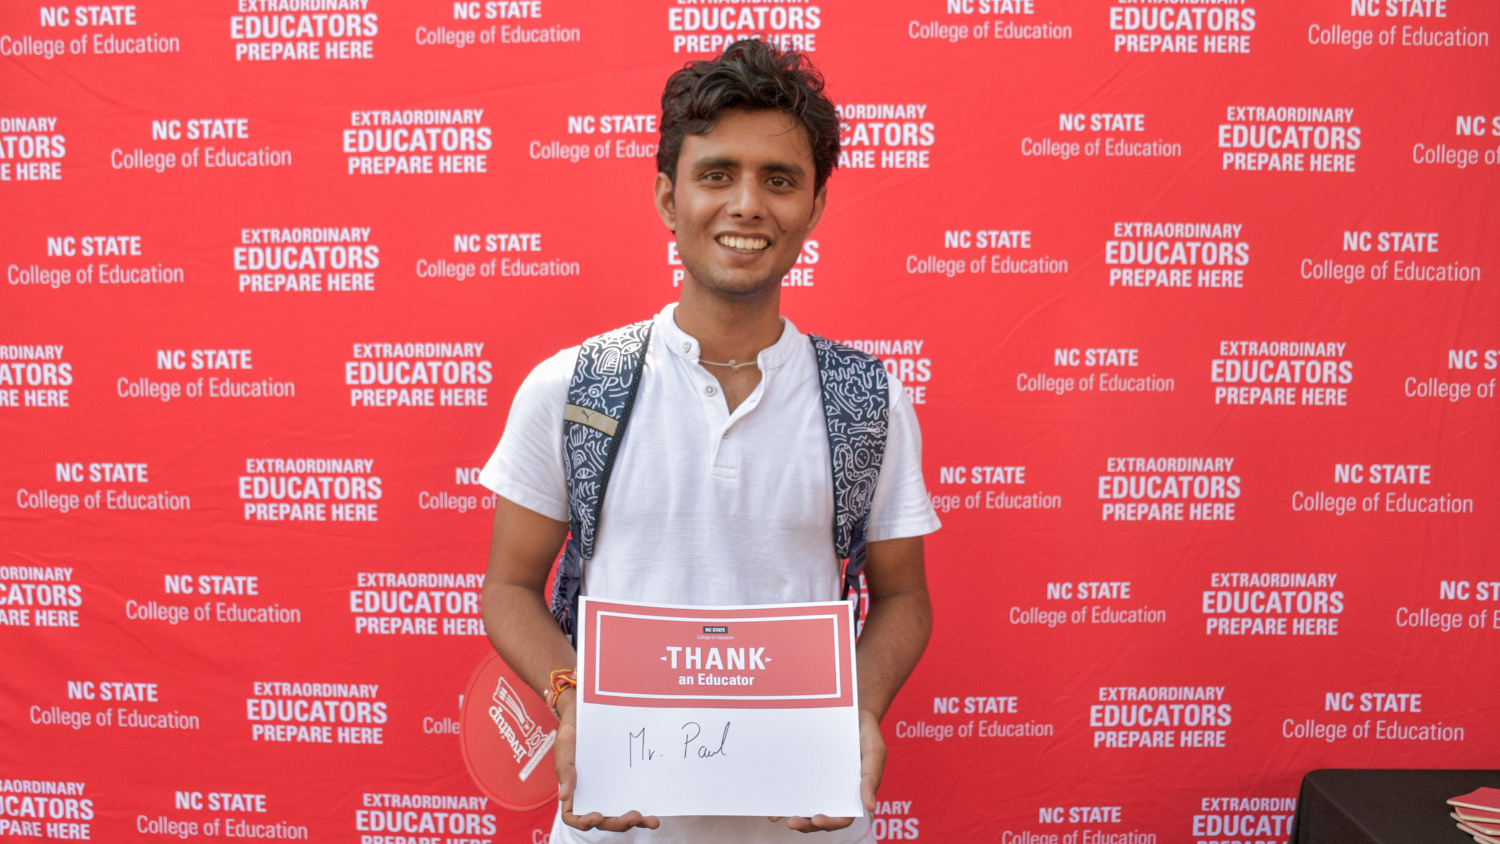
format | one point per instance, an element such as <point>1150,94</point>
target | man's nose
<point>747,201</point>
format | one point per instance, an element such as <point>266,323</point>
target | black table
<point>1383,807</point>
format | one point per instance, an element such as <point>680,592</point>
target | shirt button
<point>710,390</point>
<point>726,435</point>
<point>687,347</point>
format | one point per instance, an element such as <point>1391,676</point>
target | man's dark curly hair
<point>751,75</point>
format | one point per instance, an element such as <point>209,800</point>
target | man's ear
<point>666,202</point>
<point>820,199</point>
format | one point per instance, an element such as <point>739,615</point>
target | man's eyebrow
<point>716,161</point>
<point>791,168</point>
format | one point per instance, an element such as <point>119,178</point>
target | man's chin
<point>739,287</point>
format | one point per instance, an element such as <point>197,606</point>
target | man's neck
<point>729,329</point>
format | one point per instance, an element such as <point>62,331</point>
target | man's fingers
<point>872,770</point>
<point>629,820</point>
<point>817,823</point>
<point>589,821</point>
<point>567,778</point>
<point>595,820</point>
<point>626,821</point>
<point>872,754</point>
<point>562,758</point>
<point>827,823</point>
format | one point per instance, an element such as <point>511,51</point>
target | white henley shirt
<point>707,507</point>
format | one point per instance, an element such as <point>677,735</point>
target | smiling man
<point>758,457</point>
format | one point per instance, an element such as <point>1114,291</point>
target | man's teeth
<point>745,243</point>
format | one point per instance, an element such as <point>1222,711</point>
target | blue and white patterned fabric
<point>605,380</point>
<point>856,406</point>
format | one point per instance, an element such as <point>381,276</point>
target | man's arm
<point>524,633</point>
<point>898,623</point>
<point>520,625</point>
<point>895,634</point>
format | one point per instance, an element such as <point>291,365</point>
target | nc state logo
<point>526,739</point>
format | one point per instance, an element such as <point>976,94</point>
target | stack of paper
<point>1478,813</point>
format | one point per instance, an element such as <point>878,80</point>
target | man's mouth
<point>743,245</point>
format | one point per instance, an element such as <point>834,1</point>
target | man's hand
<point>528,639</point>
<point>895,633</point>
<point>871,769</point>
<point>567,777</point>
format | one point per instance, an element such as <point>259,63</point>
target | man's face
<point>743,201</point>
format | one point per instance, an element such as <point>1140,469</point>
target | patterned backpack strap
<point>856,407</point>
<point>600,397</point>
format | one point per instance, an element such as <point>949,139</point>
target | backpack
<point>856,408</point>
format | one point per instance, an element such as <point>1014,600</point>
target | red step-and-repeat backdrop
<point>1196,301</point>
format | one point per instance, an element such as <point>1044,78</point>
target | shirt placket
<point>724,445</point>
<point>729,434</point>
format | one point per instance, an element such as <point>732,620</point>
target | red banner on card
<point>748,658</point>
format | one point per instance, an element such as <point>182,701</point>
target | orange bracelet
<point>562,679</point>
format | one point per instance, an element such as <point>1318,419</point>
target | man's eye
<point>717,176</point>
<point>780,181</point>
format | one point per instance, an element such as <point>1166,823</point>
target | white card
<point>750,710</point>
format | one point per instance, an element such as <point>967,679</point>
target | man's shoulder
<point>548,380</point>
<point>626,335</point>
<point>843,350</point>
<point>830,354</point>
<point>556,372</point>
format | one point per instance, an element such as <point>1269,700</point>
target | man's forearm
<point>525,634</point>
<point>895,634</point>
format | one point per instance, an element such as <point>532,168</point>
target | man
<point>722,490</point>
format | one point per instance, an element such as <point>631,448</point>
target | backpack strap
<point>856,407</point>
<point>600,397</point>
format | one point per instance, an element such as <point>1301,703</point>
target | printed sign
<point>717,710</point>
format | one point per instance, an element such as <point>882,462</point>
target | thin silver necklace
<point>733,366</point>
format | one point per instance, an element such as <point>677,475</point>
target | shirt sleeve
<point>527,466</point>
<point>902,506</point>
